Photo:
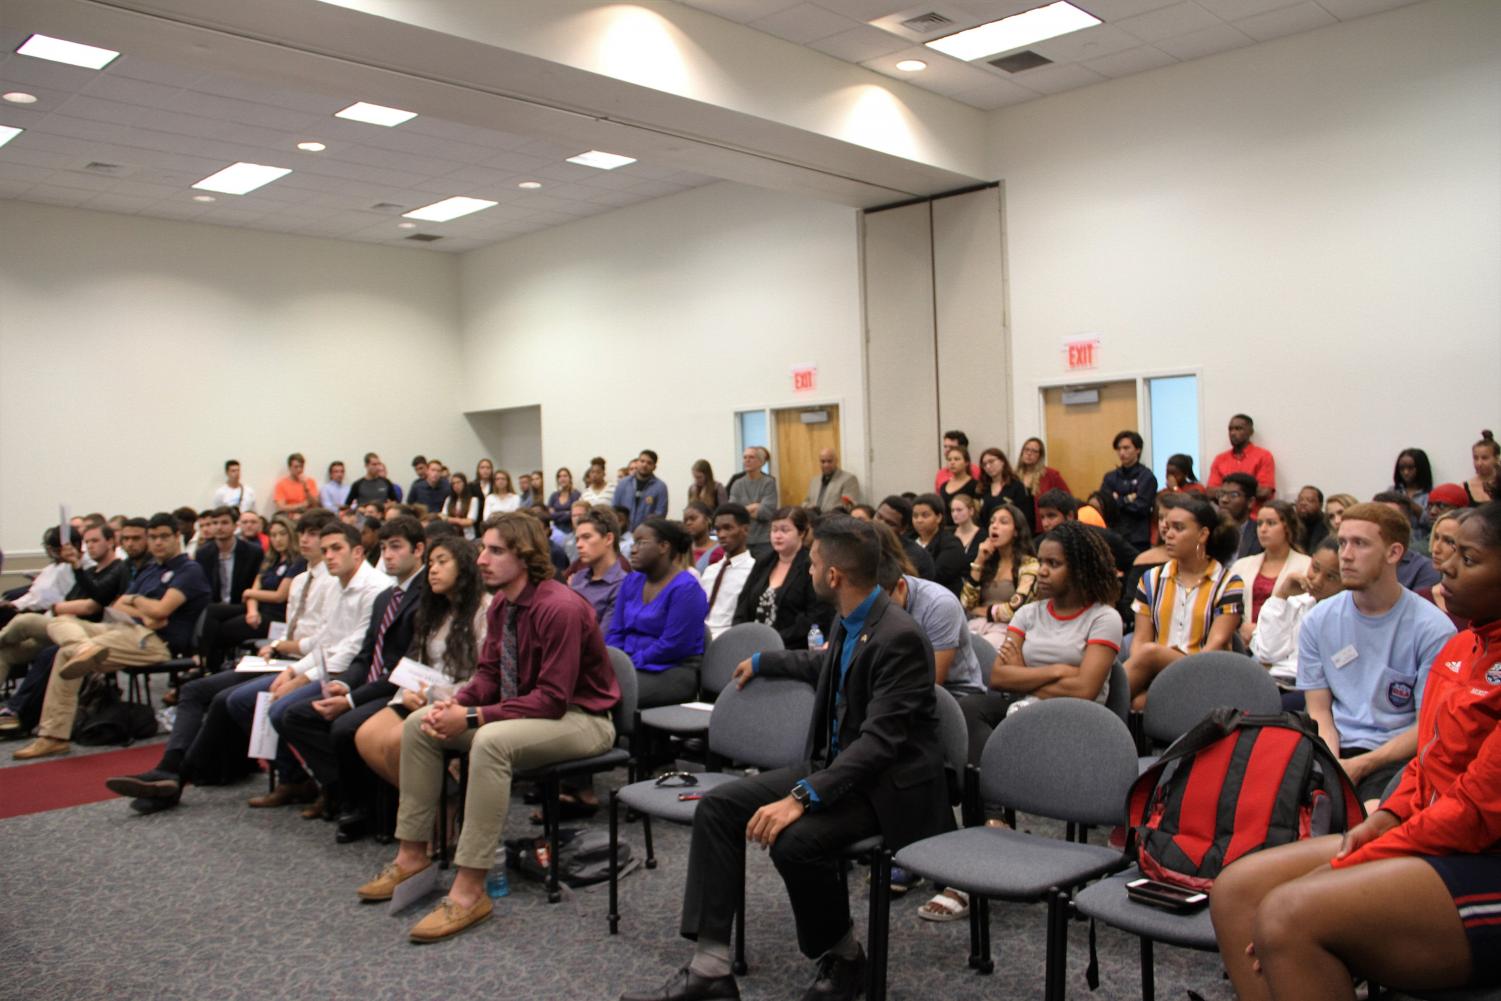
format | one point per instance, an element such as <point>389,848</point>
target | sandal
<point>948,905</point>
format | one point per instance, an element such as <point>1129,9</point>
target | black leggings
<point>982,714</point>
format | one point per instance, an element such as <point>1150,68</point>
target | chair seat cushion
<point>1108,902</point>
<point>863,847</point>
<point>662,801</point>
<point>1005,864</point>
<point>612,758</point>
<point>676,719</point>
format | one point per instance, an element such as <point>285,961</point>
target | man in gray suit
<point>833,489</point>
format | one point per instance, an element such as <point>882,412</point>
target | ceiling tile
<point>1348,9</point>
<point>741,10</point>
<point>1057,78</point>
<point>996,94</point>
<point>1091,43</point>
<point>13,189</point>
<point>111,202</point>
<point>1169,22</point>
<point>140,69</point>
<point>53,195</point>
<point>246,112</point>
<point>1115,10</point>
<point>859,44</point>
<point>864,10</point>
<point>1220,38</point>
<point>1286,21</point>
<point>1234,10</point>
<point>1137,60</point>
<point>114,87</point>
<point>99,110</point>
<point>16,153</point>
<point>23,172</point>
<point>803,23</point>
<point>224,85</point>
<point>28,71</point>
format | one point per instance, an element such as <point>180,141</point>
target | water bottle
<point>498,884</point>
<point>815,638</point>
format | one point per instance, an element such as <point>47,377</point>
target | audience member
<point>756,491</point>
<point>876,768</point>
<point>334,494</point>
<point>187,526</point>
<point>597,534</point>
<point>705,488</point>
<point>1363,655</point>
<point>938,614</point>
<point>432,489</point>
<point>483,481</point>
<point>133,543</point>
<point>462,508</point>
<point>1413,478</point>
<point>1133,487</point>
<point>1417,871</point>
<point>1279,533</point>
<point>831,488</point>
<point>778,591</point>
<point>252,528</point>
<point>938,542</point>
<point>419,473</point>
<point>1056,507</point>
<point>952,440</point>
<point>896,512</point>
<point>1034,472</point>
<point>596,490</point>
<point>560,502</point>
<point>1335,508</point>
<point>541,692</point>
<point>1415,571</point>
<point>227,624</point>
<point>1486,456</point>
<point>698,522</point>
<point>659,614</point>
<point>233,493</point>
<point>1236,499</point>
<point>959,480</point>
<point>369,530</point>
<point>1191,603</point>
<point>1275,641</point>
<point>527,490</point>
<point>294,493</point>
<point>1445,540</point>
<point>374,487</point>
<point>502,498</point>
<point>230,565</point>
<point>1178,475</point>
<point>999,485</point>
<point>1310,508</point>
<point>1244,457</point>
<point>54,581</point>
<point>964,513</point>
<point>1002,575</point>
<point>1443,498</point>
<point>724,580</point>
<point>1100,510</point>
<point>642,494</point>
<point>1156,556</point>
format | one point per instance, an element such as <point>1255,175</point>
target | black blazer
<point>798,608</point>
<point>398,640</point>
<point>888,721</point>
<point>248,559</point>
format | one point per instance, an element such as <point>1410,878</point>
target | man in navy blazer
<point>876,768</point>
<point>242,557</point>
<point>322,730</point>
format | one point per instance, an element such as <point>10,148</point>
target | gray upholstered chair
<point>1188,689</point>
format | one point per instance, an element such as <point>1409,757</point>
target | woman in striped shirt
<point>1191,603</point>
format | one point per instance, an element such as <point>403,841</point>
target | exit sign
<point>804,378</point>
<point>1081,352</point>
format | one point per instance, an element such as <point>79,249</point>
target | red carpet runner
<point>71,780</point>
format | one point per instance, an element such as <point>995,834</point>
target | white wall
<point>1315,222</point>
<point>136,355</point>
<point>648,327</point>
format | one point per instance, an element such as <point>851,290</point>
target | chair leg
<point>738,966</point>
<point>985,965</point>
<point>1148,985</point>
<point>552,820</point>
<point>1057,946</point>
<point>614,864</point>
<point>443,819</point>
<point>880,925</point>
<point>974,932</point>
<point>651,853</point>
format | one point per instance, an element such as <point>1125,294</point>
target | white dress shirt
<point>722,612</point>
<point>343,632</point>
<point>50,586</point>
<point>305,621</point>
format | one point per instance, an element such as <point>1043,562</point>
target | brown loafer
<point>449,918</point>
<point>316,809</point>
<point>384,885</point>
<point>85,661</point>
<point>285,794</point>
<point>43,747</point>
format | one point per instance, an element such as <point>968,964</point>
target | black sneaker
<point>155,784</point>
<point>838,979</point>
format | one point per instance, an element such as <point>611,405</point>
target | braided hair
<point>1091,567</point>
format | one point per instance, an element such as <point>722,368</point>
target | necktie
<point>377,660</point>
<point>509,688</point>
<point>307,586</point>
<point>724,566</point>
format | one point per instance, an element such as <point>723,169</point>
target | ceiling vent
<point>1018,61</point>
<point>107,169</point>
<point>424,237</point>
<point>926,24</point>
<point>387,207</point>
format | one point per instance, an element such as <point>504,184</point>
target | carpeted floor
<point>214,900</point>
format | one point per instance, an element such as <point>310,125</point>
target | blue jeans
<point>241,705</point>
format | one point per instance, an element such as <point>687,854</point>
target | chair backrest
<point>1118,698</point>
<point>734,645</point>
<point>1070,759</point>
<point>985,654</point>
<point>624,713</point>
<point>766,724</point>
<point>1183,694</point>
<point>953,733</point>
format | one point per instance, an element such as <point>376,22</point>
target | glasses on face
<point>1228,494</point>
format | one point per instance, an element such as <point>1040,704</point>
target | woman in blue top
<point>659,616</point>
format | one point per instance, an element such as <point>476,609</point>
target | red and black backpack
<point>1235,784</point>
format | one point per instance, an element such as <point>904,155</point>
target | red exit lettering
<point>1081,354</point>
<point>804,379</point>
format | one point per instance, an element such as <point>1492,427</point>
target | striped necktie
<point>377,661</point>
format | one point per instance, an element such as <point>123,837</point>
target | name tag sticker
<point>1344,657</point>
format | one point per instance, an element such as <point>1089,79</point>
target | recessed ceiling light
<point>7,133</point>
<point>448,208</point>
<point>60,50</point>
<point>601,159</point>
<point>375,114</point>
<point>911,65</point>
<point>239,178</point>
<point>1015,32</point>
<point>530,185</point>
<point>406,225</point>
<point>204,198</point>
<point>311,147</point>
<point>19,97</point>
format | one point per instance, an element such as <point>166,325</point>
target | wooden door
<point>798,444</point>
<point>1078,435</point>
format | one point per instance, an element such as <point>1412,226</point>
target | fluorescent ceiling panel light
<point>448,208</point>
<point>1015,32</point>
<point>60,50</point>
<point>911,65</point>
<point>601,159</point>
<point>7,133</point>
<point>19,97</point>
<point>311,147</point>
<point>239,178</point>
<point>375,114</point>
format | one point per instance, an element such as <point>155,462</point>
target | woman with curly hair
<point>1002,576</point>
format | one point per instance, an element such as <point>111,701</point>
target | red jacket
<point>1449,800</point>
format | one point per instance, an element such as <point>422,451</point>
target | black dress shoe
<point>144,805</point>
<point>838,979</point>
<point>685,985</point>
<point>353,826</point>
<point>155,784</point>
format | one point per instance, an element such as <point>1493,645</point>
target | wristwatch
<point>473,717</point>
<point>803,795</point>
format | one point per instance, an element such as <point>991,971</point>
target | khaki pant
<point>125,646</point>
<point>496,750</point>
<point>21,640</point>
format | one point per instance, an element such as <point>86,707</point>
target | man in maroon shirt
<point>542,692</point>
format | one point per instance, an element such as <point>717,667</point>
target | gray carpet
<point>214,900</point>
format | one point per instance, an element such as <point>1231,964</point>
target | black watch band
<point>473,717</point>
